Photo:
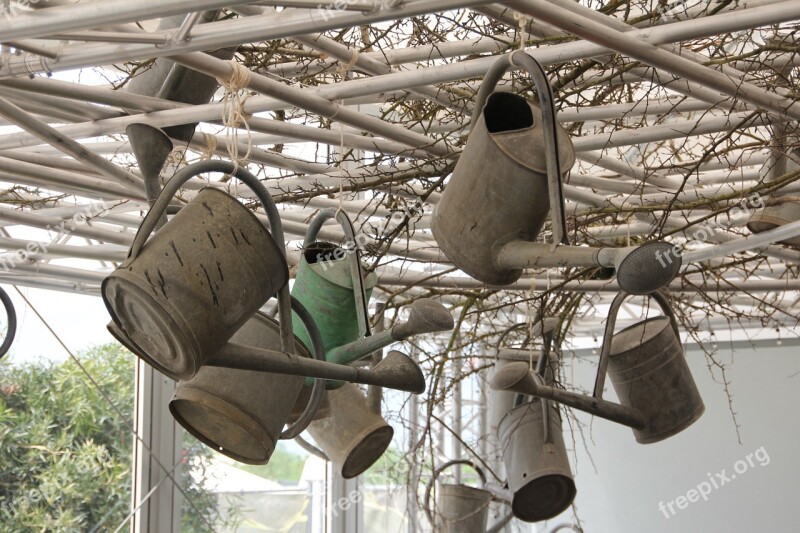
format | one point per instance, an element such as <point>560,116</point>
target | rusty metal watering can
<point>462,509</point>
<point>657,394</point>
<point>534,455</point>
<point>183,294</point>
<point>508,177</point>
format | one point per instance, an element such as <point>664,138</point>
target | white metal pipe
<point>647,53</point>
<point>317,104</point>
<point>97,13</point>
<point>744,244</point>
<point>70,147</point>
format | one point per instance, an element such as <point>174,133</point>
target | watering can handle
<point>318,389</point>
<point>439,470</point>
<point>355,261</point>
<point>276,227</point>
<point>523,60</point>
<point>605,353</point>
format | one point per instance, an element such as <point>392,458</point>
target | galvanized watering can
<point>536,461</point>
<point>353,437</point>
<point>461,508</point>
<point>238,413</point>
<point>535,458</point>
<point>228,410</point>
<point>507,178</point>
<point>657,394</point>
<point>331,285</point>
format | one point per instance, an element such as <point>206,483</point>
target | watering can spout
<point>395,371</point>
<point>517,377</point>
<point>426,316</point>
<point>640,269</point>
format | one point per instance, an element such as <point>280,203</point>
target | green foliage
<point>66,452</point>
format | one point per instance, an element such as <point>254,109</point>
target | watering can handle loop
<point>523,60</point>
<point>605,352</point>
<point>276,227</point>
<point>355,260</point>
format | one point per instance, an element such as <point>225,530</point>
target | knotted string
<point>233,113</point>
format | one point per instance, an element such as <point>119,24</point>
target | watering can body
<point>195,283</point>
<point>649,373</point>
<point>536,462</point>
<point>353,437</point>
<point>463,509</point>
<point>235,412</point>
<point>498,191</point>
<point>324,286</point>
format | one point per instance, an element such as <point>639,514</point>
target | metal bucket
<point>238,413</point>
<point>353,437</point>
<point>536,462</point>
<point>650,374</point>
<point>184,293</point>
<point>498,191</point>
<point>324,285</point>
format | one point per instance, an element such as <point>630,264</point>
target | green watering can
<point>331,286</point>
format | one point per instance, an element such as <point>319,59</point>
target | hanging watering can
<point>657,394</point>
<point>536,462</point>
<point>332,287</point>
<point>535,458</point>
<point>505,181</point>
<point>462,509</point>
<point>353,437</point>
<point>178,323</point>
<point>238,413</point>
<point>182,295</point>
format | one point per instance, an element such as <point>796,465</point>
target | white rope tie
<point>233,113</point>
<point>209,145</point>
<point>523,31</point>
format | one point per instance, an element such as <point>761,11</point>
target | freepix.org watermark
<point>759,457</point>
<point>747,207</point>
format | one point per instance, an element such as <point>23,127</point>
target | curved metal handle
<point>611,321</point>
<point>318,389</point>
<point>439,470</point>
<point>523,60</point>
<point>11,316</point>
<point>359,292</point>
<point>275,225</point>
